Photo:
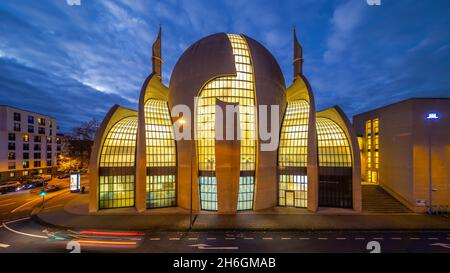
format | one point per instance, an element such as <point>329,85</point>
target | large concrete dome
<point>212,57</point>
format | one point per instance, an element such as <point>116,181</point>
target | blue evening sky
<point>75,62</point>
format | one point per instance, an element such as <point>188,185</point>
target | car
<point>9,186</point>
<point>62,176</point>
<point>25,186</point>
<point>51,188</point>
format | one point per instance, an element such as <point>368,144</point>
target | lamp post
<point>431,117</point>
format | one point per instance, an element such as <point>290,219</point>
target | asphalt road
<point>19,234</point>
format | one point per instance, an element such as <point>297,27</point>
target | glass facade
<point>231,89</point>
<point>160,155</point>
<point>293,154</point>
<point>245,196</point>
<point>117,165</point>
<point>335,165</point>
<point>208,193</point>
<point>372,150</point>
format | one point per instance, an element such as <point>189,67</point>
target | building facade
<point>138,161</point>
<point>405,148</point>
<point>28,143</point>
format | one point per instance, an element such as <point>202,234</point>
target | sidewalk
<point>75,216</point>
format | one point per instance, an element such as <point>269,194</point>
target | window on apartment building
<point>11,146</point>
<point>49,139</point>
<point>26,155</point>
<point>41,130</point>
<point>16,116</point>
<point>17,127</point>
<point>58,140</point>
<point>31,119</point>
<point>26,164</point>
<point>372,150</point>
<point>41,121</point>
<point>12,174</point>
<point>37,164</point>
<point>37,139</point>
<point>26,147</point>
<point>49,147</point>
<point>49,155</point>
<point>12,137</point>
<point>37,155</point>
<point>30,129</point>
<point>51,132</point>
<point>49,163</point>
<point>11,156</point>
<point>26,138</point>
<point>37,147</point>
<point>12,165</point>
<point>50,124</point>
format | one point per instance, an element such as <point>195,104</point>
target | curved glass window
<point>334,148</point>
<point>117,165</point>
<point>231,89</point>
<point>160,154</point>
<point>335,165</point>
<point>292,156</point>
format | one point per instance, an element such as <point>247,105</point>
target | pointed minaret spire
<point>157,56</point>
<point>298,57</point>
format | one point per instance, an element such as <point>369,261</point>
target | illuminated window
<point>333,146</point>
<point>372,150</point>
<point>161,155</point>
<point>231,89</point>
<point>292,155</point>
<point>117,165</point>
<point>335,165</point>
<point>208,193</point>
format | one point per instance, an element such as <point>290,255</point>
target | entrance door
<point>289,195</point>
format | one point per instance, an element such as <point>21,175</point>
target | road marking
<point>432,238</point>
<point>192,239</point>
<point>26,204</point>
<point>4,245</point>
<point>230,238</point>
<point>174,239</point>
<point>155,239</point>
<point>378,238</point>
<point>22,233</point>
<point>414,238</point>
<point>360,238</point>
<point>341,238</point>
<point>396,238</point>
<point>442,245</point>
<point>210,238</point>
<point>218,247</point>
<point>302,238</point>
<point>322,238</point>
<point>285,238</point>
<point>248,238</point>
<point>17,220</point>
<point>267,238</point>
<point>7,204</point>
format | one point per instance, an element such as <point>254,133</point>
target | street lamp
<point>430,117</point>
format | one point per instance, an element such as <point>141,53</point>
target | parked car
<point>65,175</point>
<point>25,186</point>
<point>49,188</point>
<point>9,187</point>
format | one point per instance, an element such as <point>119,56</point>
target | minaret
<point>157,56</point>
<point>298,57</point>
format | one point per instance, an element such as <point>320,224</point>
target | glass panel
<point>246,189</point>
<point>298,185</point>
<point>208,193</point>
<point>333,146</point>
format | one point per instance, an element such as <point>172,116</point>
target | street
<point>20,233</point>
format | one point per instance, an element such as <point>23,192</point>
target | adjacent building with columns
<point>138,162</point>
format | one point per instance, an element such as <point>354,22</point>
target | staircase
<point>376,200</point>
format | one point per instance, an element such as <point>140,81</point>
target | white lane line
<point>433,239</point>
<point>192,239</point>
<point>23,233</point>
<point>230,238</point>
<point>322,238</point>
<point>378,238</point>
<point>267,238</point>
<point>248,238</point>
<point>7,204</point>
<point>210,238</point>
<point>360,238</point>
<point>303,238</point>
<point>26,204</point>
<point>218,247</point>
<point>396,238</point>
<point>286,238</point>
<point>155,239</point>
<point>17,220</point>
<point>4,245</point>
<point>174,239</point>
<point>414,238</point>
<point>341,238</point>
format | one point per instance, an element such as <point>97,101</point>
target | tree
<point>68,164</point>
<point>86,131</point>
